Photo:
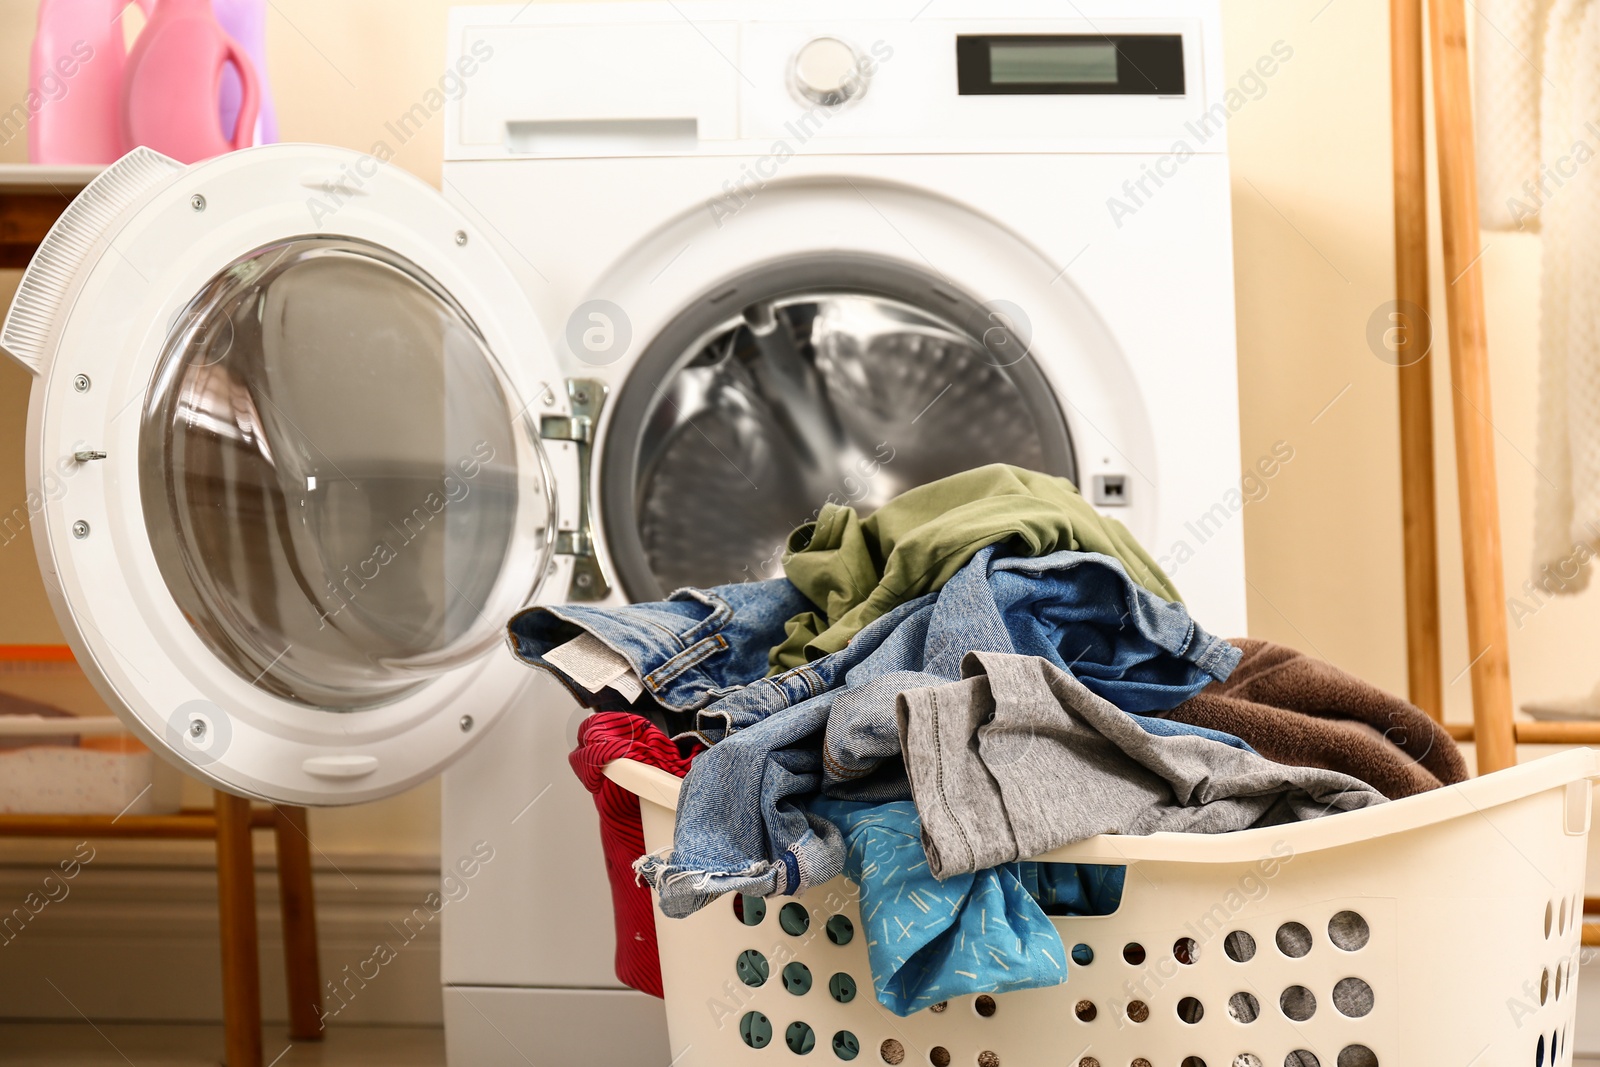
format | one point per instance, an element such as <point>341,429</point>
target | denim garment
<point>742,825</point>
<point>687,649</point>
<point>984,932</point>
<point>1060,606</point>
<point>829,726</point>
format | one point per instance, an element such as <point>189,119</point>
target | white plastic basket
<point>125,778</point>
<point>1470,899</point>
<point>107,772</point>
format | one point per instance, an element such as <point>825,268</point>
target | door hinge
<point>585,398</point>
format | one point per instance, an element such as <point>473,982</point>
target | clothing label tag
<point>628,685</point>
<point>592,664</point>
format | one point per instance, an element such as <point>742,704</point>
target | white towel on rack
<point>1567,483</point>
<point>1508,39</point>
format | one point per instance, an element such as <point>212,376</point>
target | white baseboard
<point>133,934</point>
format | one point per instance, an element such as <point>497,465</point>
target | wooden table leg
<point>300,963</point>
<point>236,907</point>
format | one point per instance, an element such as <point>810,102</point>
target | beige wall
<point>1312,229</point>
<point>1312,219</point>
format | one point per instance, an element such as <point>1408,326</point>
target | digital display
<point>1069,63</point>
<point>1072,64</point>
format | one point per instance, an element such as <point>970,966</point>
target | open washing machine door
<point>288,485</point>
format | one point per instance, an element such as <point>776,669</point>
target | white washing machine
<point>307,433</point>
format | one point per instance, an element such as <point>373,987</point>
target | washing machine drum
<point>811,398</point>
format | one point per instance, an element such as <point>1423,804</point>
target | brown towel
<point>1303,712</point>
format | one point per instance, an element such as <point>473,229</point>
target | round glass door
<point>343,494</point>
<point>832,380</point>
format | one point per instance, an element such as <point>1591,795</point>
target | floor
<point>158,1045</point>
<point>148,1045</point>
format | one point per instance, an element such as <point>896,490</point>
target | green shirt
<point>858,569</point>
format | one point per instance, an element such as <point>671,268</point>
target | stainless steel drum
<point>784,392</point>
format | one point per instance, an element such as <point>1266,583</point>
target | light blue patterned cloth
<point>986,932</point>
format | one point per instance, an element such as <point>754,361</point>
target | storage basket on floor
<point>1460,910</point>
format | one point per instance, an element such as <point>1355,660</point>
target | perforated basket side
<point>1446,930</point>
<point>26,336</point>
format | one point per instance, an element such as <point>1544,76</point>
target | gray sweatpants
<point>1019,758</point>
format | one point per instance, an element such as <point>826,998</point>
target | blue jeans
<point>829,726</point>
<point>687,650</point>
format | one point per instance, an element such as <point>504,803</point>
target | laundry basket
<point>1455,915</point>
<point>62,753</point>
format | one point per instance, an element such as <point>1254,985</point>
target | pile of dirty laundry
<point>982,670</point>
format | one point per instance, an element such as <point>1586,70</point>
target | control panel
<point>707,78</point>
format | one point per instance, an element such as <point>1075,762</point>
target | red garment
<point>603,737</point>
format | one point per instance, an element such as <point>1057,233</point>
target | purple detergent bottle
<point>246,22</point>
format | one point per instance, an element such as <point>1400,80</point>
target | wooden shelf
<point>31,199</point>
<point>31,177</point>
<point>191,823</point>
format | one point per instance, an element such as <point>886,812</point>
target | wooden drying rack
<point>1493,729</point>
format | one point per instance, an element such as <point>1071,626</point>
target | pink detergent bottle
<point>75,82</point>
<point>169,91</point>
<point>246,22</point>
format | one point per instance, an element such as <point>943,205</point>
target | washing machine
<point>305,432</point>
